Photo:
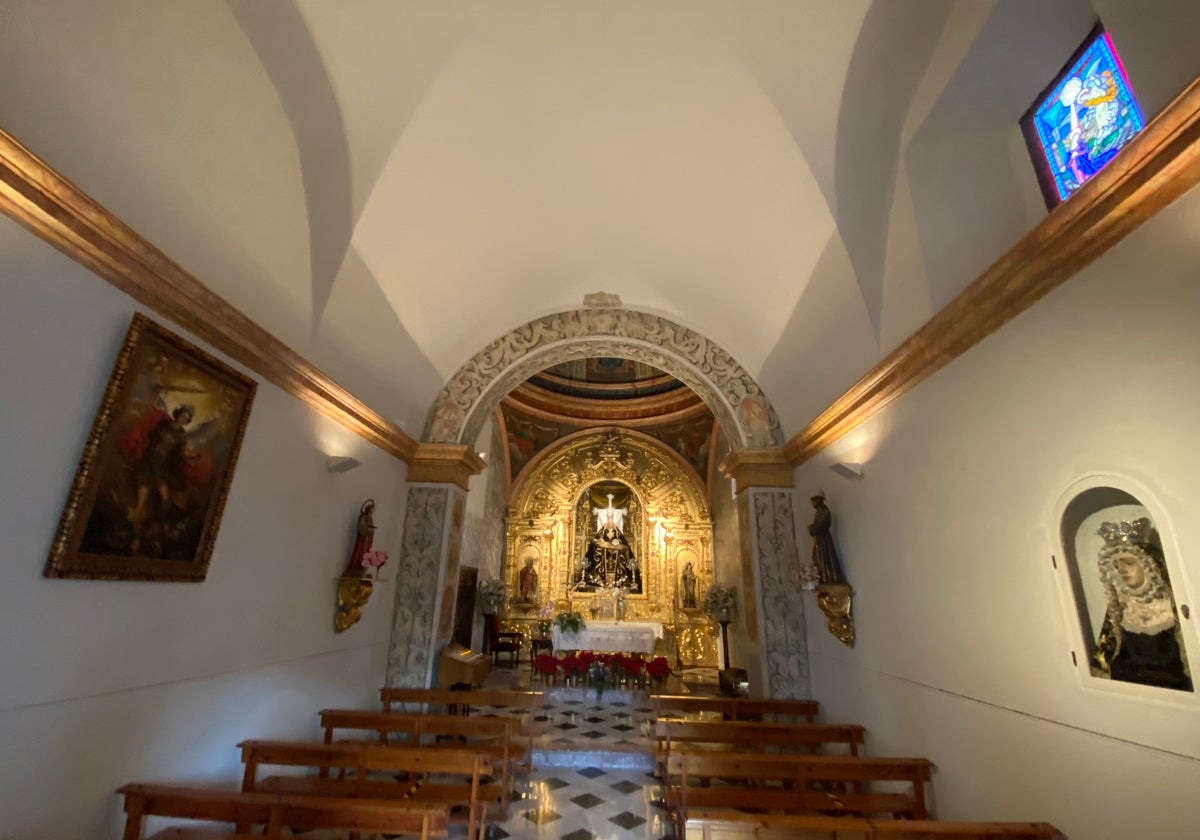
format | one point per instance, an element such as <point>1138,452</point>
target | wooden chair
<point>503,642</point>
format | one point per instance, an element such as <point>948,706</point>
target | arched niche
<point>548,503</point>
<point>741,408</point>
<point>1125,594</point>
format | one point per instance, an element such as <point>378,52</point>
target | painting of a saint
<point>150,491</point>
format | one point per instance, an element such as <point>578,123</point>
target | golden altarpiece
<point>563,497</point>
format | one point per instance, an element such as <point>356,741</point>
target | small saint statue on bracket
<point>833,593</point>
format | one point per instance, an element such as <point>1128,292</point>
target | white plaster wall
<point>102,683</point>
<point>963,651</point>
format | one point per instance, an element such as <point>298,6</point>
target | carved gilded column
<point>427,568</point>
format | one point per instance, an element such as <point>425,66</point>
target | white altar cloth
<point>622,636</point>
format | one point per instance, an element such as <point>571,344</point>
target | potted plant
<point>720,602</point>
<point>492,594</point>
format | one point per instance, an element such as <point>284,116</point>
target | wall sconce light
<point>853,472</point>
<point>341,463</point>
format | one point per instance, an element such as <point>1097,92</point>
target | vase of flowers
<point>492,594</point>
<point>372,562</point>
<point>570,621</point>
<point>545,617</point>
<point>720,602</point>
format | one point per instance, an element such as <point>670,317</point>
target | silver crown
<point>1139,532</point>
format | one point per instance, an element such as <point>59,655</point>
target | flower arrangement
<point>492,594</point>
<point>720,602</point>
<point>545,614</point>
<point>570,621</point>
<point>373,561</point>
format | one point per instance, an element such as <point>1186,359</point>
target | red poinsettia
<point>632,665</point>
<point>658,668</point>
<point>573,665</point>
<point>546,665</point>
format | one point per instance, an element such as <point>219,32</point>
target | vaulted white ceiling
<point>389,185</point>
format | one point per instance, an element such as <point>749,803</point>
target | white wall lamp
<point>853,472</point>
<point>341,463</point>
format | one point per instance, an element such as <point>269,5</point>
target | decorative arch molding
<point>736,400</point>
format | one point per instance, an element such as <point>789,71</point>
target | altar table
<point>622,636</point>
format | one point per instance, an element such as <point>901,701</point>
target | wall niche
<point>1132,614</point>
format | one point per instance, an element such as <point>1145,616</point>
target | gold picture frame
<point>150,489</point>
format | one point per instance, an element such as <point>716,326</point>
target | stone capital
<point>758,468</point>
<point>444,463</point>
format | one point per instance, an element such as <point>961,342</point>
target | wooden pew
<point>723,825</point>
<point>274,812</point>
<point>744,736</point>
<point>522,703</point>
<point>735,708</point>
<point>526,701</point>
<point>493,737</point>
<point>355,763</point>
<point>795,784</point>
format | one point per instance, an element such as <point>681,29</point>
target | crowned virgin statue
<point>609,560</point>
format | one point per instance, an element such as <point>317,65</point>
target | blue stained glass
<point>1087,117</point>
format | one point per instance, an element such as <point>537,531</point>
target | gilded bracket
<point>352,596</point>
<point>834,599</point>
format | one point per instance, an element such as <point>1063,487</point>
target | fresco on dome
<point>1082,120</point>
<point>526,436</point>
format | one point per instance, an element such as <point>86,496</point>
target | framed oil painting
<point>148,495</point>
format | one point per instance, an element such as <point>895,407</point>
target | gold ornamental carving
<point>551,520</point>
<point>834,599</point>
<point>353,594</point>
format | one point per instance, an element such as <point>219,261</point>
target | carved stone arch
<point>740,406</point>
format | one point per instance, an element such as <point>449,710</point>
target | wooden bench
<point>355,764</point>
<point>493,737</point>
<point>526,701</point>
<point>744,736</point>
<point>522,704</point>
<point>274,812</point>
<point>795,784</point>
<point>735,708</point>
<point>722,825</point>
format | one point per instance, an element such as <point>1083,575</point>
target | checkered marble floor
<point>590,761</point>
<point>589,803</point>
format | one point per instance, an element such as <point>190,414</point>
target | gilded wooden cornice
<point>1158,166</point>
<point>444,463</point>
<point>758,468</point>
<point>39,198</point>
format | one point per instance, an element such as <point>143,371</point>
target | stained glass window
<point>1082,119</point>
